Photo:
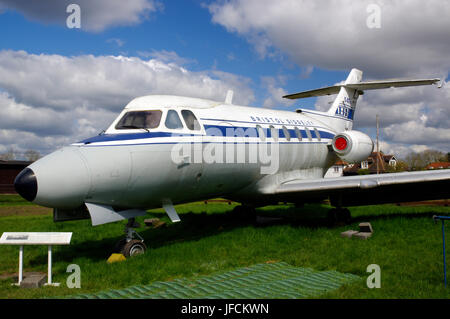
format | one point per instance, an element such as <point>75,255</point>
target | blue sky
<point>259,48</point>
<point>184,27</point>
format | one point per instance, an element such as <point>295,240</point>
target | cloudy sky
<point>59,85</point>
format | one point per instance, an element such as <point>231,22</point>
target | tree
<point>401,166</point>
<point>32,155</point>
<point>9,155</point>
<point>418,161</point>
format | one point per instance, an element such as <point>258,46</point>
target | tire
<point>134,247</point>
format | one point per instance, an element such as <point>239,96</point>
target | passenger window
<point>173,121</point>
<point>317,134</point>
<point>274,133</point>
<point>190,120</point>
<point>261,134</point>
<point>298,133</point>
<point>286,133</point>
<point>308,133</point>
<point>139,119</point>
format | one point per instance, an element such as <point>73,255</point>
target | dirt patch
<point>24,211</point>
<point>443,202</point>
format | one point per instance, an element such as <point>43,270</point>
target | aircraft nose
<point>26,184</point>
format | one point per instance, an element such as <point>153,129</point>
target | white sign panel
<point>35,238</point>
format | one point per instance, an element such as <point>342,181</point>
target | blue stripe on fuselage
<point>211,130</point>
<point>130,136</point>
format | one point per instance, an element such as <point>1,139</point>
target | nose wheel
<point>130,246</point>
<point>134,247</point>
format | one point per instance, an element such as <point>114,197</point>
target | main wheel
<point>133,247</point>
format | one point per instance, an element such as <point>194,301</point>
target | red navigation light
<point>340,143</point>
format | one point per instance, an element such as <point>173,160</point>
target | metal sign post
<point>443,219</point>
<point>34,238</point>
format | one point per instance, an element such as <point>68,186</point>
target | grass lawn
<point>406,244</point>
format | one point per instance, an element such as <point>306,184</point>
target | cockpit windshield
<point>139,119</point>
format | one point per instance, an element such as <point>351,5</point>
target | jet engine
<point>352,146</point>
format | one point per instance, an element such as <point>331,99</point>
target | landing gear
<point>339,216</point>
<point>129,246</point>
<point>134,247</point>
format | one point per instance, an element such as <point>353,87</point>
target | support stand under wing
<point>170,210</point>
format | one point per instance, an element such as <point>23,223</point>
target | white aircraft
<point>165,150</point>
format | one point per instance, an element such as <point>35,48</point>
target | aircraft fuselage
<point>238,152</point>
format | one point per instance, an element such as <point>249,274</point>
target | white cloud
<point>276,93</point>
<point>96,15</point>
<point>116,41</point>
<point>415,132</point>
<point>413,38</point>
<point>333,35</point>
<point>47,101</point>
<point>400,150</point>
<point>166,57</point>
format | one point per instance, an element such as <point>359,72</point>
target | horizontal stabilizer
<point>374,85</point>
<point>318,92</point>
<point>361,86</point>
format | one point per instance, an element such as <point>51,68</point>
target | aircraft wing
<point>330,90</point>
<point>370,189</point>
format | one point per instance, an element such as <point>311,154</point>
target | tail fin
<point>341,114</point>
<point>344,105</point>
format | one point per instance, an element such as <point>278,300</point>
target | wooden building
<point>8,172</point>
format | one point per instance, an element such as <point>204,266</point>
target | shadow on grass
<point>195,226</point>
<point>368,218</point>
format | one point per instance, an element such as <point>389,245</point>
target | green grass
<point>13,200</point>
<point>210,238</point>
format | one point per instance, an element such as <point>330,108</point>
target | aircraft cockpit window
<point>173,121</point>
<point>190,120</point>
<point>139,119</point>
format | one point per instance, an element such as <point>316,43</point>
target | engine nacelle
<point>352,146</point>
